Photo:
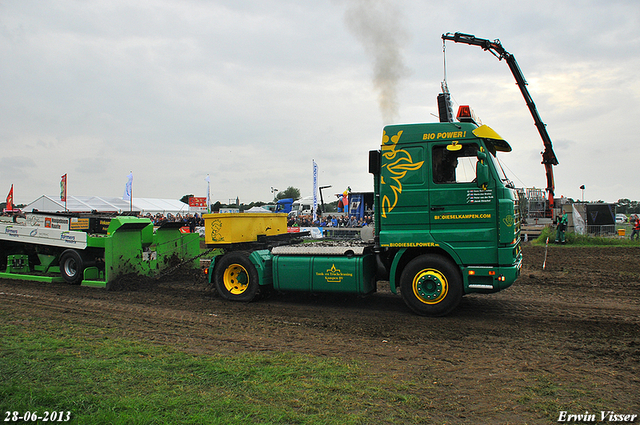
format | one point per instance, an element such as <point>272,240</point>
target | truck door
<point>462,214</point>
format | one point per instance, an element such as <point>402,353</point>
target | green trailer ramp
<point>129,250</point>
<point>174,247</point>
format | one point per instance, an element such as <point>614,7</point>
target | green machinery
<point>446,224</point>
<point>91,250</point>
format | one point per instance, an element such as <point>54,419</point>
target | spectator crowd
<point>188,219</point>
<point>196,220</point>
<point>329,221</point>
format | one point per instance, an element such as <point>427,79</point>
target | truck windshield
<point>501,174</point>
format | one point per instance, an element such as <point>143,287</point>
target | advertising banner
<point>197,201</point>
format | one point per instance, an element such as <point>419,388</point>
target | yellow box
<point>242,227</point>
<point>621,232</point>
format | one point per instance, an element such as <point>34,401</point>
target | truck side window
<point>454,166</point>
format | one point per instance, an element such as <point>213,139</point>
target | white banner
<point>43,236</point>
<point>208,179</point>
<point>315,190</point>
<point>314,232</point>
<point>578,222</point>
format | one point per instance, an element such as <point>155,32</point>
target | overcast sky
<point>250,92</point>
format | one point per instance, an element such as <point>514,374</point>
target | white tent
<point>258,210</point>
<point>162,206</point>
<point>105,204</point>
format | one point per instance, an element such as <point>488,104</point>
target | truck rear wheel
<point>72,266</point>
<point>431,285</point>
<point>236,278</point>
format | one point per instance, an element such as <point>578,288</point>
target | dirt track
<point>566,338</point>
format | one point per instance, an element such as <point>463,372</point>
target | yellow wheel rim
<point>430,286</point>
<point>236,279</point>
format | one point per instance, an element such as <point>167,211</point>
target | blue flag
<point>128,188</point>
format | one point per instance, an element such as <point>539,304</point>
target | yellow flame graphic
<point>398,163</point>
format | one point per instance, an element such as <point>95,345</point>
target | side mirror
<point>374,162</point>
<point>482,170</point>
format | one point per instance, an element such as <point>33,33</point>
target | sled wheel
<point>431,285</point>
<point>236,278</point>
<point>71,267</point>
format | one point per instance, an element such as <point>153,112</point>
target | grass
<point>575,239</point>
<point>544,394</point>
<point>101,378</point>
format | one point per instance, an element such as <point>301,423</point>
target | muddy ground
<point>563,338</point>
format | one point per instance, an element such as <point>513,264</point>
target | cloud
<point>14,167</point>
<point>251,92</point>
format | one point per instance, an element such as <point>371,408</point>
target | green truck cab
<point>447,219</point>
<point>446,224</point>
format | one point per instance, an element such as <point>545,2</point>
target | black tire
<point>431,285</point>
<point>72,266</point>
<point>236,278</point>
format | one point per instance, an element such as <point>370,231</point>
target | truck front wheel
<point>71,266</point>
<point>236,278</point>
<point>431,285</point>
